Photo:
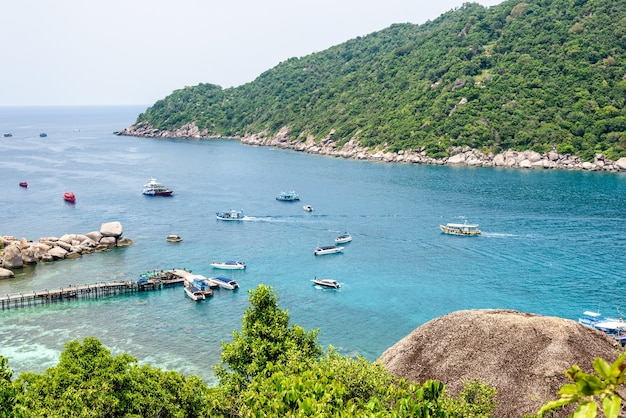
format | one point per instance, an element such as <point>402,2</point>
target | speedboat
<point>460,229</point>
<point>308,208</point>
<point>224,282</point>
<point>288,196</point>
<point>328,249</point>
<point>194,293</point>
<point>69,197</point>
<point>8,135</point>
<point>228,265</point>
<point>173,238</point>
<point>230,215</point>
<point>343,238</point>
<point>23,184</point>
<point>613,327</point>
<point>43,135</point>
<point>154,188</point>
<point>327,283</point>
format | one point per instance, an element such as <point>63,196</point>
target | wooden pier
<point>156,281</point>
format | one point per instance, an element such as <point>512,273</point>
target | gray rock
<point>522,355</point>
<point>12,257</point>
<point>621,164</point>
<point>95,236</point>
<point>124,242</point>
<point>57,253</point>
<point>111,229</point>
<point>108,241</point>
<point>6,273</point>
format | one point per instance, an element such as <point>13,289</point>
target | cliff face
<point>524,356</point>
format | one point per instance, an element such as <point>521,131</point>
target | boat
<point>8,135</point>
<point>228,265</point>
<point>343,238</point>
<point>230,215</point>
<point>460,229</point>
<point>194,293</point>
<point>69,197</point>
<point>154,188</point>
<point>43,135</point>
<point>328,249</point>
<point>308,208</point>
<point>224,282</point>
<point>173,238</point>
<point>202,283</point>
<point>288,196</point>
<point>327,283</point>
<point>613,327</point>
<point>23,184</point>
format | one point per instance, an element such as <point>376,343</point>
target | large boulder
<point>524,356</point>
<point>6,274</point>
<point>621,164</point>
<point>111,229</point>
<point>12,257</point>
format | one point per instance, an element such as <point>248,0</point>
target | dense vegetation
<point>269,369</point>
<point>521,75</point>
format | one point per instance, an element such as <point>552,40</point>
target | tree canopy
<point>269,369</point>
<point>533,74</point>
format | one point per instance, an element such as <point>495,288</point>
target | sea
<point>552,243</point>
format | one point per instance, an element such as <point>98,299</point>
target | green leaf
<point>586,410</point>
<point>611,405</point>
<point>602,368</point>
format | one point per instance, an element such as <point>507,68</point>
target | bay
<point>552,241</point>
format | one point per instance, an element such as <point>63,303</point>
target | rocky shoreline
<point>15,253</point>
<point>352,150</point>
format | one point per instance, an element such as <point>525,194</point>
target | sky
<point>135,52</point>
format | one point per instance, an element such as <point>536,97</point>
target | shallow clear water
<point>552,241</point>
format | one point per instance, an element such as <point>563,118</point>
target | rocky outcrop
<point>15,252</point>
<point>187,131</point>
<point>352,150</point>
<point>6,274</point>
<point>524,356</point>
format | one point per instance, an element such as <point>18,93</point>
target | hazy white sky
<point>91,52</point>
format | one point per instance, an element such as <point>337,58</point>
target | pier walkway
<point>149,281</point>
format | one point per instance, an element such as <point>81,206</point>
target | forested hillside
<point>521,75</point>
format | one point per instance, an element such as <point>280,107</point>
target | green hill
<point>520,75</point>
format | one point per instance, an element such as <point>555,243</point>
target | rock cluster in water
<point>17,252</point>
<point>352,150</point>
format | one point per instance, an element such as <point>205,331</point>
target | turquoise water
<point>552,243</point>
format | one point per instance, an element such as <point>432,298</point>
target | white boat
<point>613,327</point>
<point>230,215</point>
<point>224,282</point>
<point>460,229</point>
<point>308,208</point>
<point>288,196</point>
<point>154,188</point>
<point>328,249</point>
<point>228,265</point>
<point>343,238</point>
<point>173,238</point>
<point>327,283</point>
<point>194,293</point>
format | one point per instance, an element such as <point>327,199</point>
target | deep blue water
<point>552,243</point>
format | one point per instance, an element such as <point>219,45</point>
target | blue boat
<point>230,215</point>
<point>288,196</point>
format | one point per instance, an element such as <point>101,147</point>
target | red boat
<point>24,184</point>
<point>69,197</point>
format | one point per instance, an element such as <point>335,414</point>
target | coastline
<point>459,156</point>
